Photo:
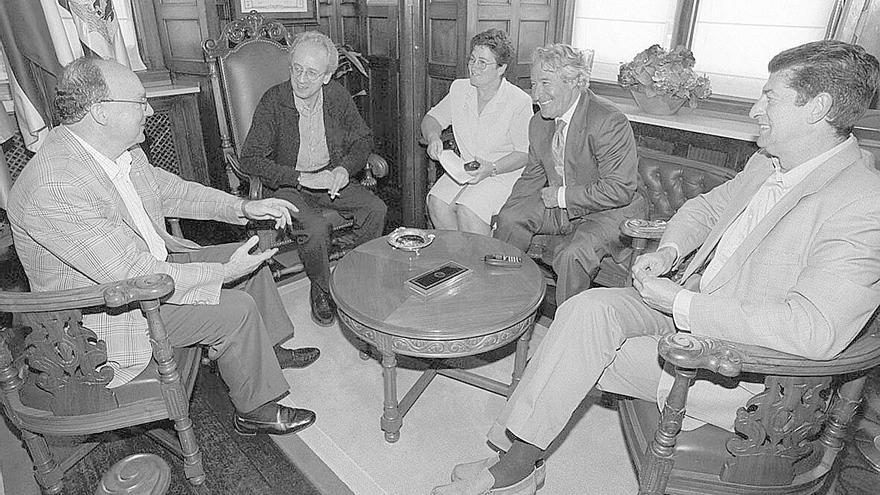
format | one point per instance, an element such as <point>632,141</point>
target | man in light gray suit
<point>787,257</point>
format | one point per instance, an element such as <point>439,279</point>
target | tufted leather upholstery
<point>667,181</point>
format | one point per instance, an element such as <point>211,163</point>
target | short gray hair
<point>571,63</point>
<point>82,84</point>
<point>321,39</point>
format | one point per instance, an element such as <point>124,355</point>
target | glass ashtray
<point>409,239</point>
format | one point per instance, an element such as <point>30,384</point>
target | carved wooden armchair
<point>248,58</point>
<point>53,383</point>
<point>787,437</point>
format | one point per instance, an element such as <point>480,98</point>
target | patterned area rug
<point>234,464</point>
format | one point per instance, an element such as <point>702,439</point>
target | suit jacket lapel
<point>574,140</point>
<point>814,182</point>
<point>739,202</point>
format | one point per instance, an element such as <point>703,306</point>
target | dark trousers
<point>585,240</point>
<point>240,332</point>
<point>354,201</point>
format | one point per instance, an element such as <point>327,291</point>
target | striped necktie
<point>558,148</point>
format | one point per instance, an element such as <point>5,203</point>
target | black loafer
<point>322,306</point>
<point>287,420</point>
<point>296,358</point>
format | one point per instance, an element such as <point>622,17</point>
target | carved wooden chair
<point>248,58</point>
<point>786,438</point>
<point>54,384</point>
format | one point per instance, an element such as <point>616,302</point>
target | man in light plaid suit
<point>89,209</point>
<point>787,257</point>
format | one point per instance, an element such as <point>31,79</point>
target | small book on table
<point>438,278</point>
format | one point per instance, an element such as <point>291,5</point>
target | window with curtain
<point>731,40</point>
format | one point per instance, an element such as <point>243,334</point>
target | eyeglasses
<point>479,63</point>
<point>308,75</point>
<point>142,102</point>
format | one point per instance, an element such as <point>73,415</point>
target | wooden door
<point>183,25</point>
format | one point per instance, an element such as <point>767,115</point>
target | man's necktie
<point>558,148</point>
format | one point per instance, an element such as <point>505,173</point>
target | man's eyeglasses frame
<point>142,102</point>
<point>308,75</point>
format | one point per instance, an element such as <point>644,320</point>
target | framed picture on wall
<point>295,10</point>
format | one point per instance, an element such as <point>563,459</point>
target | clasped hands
<point>657,292</point>
<point>242,262</point>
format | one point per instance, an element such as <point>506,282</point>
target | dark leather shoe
<point>296,358</point>
<point>322,306</point>
<point>287,420</point>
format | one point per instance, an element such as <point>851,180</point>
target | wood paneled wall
<point>450,25</point>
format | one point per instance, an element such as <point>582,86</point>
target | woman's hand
<point>435,146</point>
<point>486,169</point>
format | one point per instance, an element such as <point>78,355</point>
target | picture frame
<point>291,11</point>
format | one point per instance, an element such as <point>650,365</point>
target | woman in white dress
<point>490,121</point>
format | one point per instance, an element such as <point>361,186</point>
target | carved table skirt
<point>485,310</point>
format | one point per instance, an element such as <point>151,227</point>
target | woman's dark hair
<point>843,70</point>
<point>81,85</point>
<point>496,41</point>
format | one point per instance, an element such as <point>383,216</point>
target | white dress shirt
<point>119,173</point>
<point>313,153</point>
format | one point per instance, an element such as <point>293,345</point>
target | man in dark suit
<point>307,139</point>
<point>580,182</point>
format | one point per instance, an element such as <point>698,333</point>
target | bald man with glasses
<point>306,141</point>
<point>90,209</point>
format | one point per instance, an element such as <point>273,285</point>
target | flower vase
<point>659,104</point>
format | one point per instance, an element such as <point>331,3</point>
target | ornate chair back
<point>248,58</point>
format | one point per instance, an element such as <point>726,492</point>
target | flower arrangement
<point>656,71</point>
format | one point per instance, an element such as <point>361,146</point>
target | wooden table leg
<point>519,361</point>
<point>391,420</point>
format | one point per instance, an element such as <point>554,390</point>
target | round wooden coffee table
<point>487,309</point>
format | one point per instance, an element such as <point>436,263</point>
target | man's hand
<point>654,264</point>
<point>340,180</point>
<point>268,209</point>
<point>549,196</point>
<point>658,293</point>
<point>481,173</point>
<point>435,146</point>
<point>242,263</point>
